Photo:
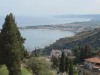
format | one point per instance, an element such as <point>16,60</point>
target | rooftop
<point>93,59</point>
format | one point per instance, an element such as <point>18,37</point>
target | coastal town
<point>75,27</point>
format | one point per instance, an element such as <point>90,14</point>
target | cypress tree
<point>71,72</point>
<point>11,45</point>
<point>82,54</point>
<point>87,51</point>
<point>62,62</point>
<point>67,65</point>
<point>76,52</point>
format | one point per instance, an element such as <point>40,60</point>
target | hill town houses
<point>57,53</point>
<point>91,66</point>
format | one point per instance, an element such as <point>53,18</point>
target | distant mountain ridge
<point>92,16</point>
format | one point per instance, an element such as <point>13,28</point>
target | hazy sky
<point>49,7</point>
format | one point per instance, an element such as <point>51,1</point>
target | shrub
<point>4,70</point>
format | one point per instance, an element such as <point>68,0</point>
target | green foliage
<point>44,72</point>
<point>55,62</point>
<point>76,52</point>
<point>71,71</point>
<point>24,71</point>
<point>87,52</point>
<point>81,53</point>
<point>4,70</point>
<point>37,52</point>
<point>11,46</point>
<point>26,54</point>
<point>62,62</point>
<point>39,66</point>
<point>67,65</point>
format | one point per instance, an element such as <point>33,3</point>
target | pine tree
<point>67,65</point>
<point>62,62</point>
<point>71,72</point>
<point>11,45</point>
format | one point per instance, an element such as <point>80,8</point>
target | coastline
<point>75,27</point>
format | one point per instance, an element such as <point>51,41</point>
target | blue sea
<point>40,38</point>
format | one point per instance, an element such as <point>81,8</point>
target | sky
<point>48,7</point>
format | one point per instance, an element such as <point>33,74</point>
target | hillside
<point>91,37</point>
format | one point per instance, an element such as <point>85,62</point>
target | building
<point>91,66</point>
<point>57,53</point>
<point>68,52</point>
<point>92,63</point>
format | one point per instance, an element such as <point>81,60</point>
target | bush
<point>3,70</point>
<point>39,66</point>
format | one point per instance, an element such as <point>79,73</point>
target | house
<point>68,52</point>
<point>57,53</point>
<point>91,66</point>
<point>92,63</point>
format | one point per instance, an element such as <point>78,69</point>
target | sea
<point>40,38</point>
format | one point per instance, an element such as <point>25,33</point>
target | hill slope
<point>91,37</point>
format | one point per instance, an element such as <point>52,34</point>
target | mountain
<point>92,16</point>
<point>91,37</point>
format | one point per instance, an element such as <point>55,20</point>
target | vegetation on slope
<point>91,38</point>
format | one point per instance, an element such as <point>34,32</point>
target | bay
<point>40,38</point>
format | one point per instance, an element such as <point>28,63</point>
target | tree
<point>71,72</point>
<point>67,65</point>
<point>55,62</point>
<point>62,62</point>
<point>26,54</point>
<point>76,52</point>
<point>87,51</point>
<point>11,46</point>
<point>82,55</point>
<point>39,66</point>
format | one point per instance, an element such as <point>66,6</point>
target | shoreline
<point>75,27</point>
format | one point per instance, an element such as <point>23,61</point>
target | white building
<point>57,53</point>
<point>68,52</point>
